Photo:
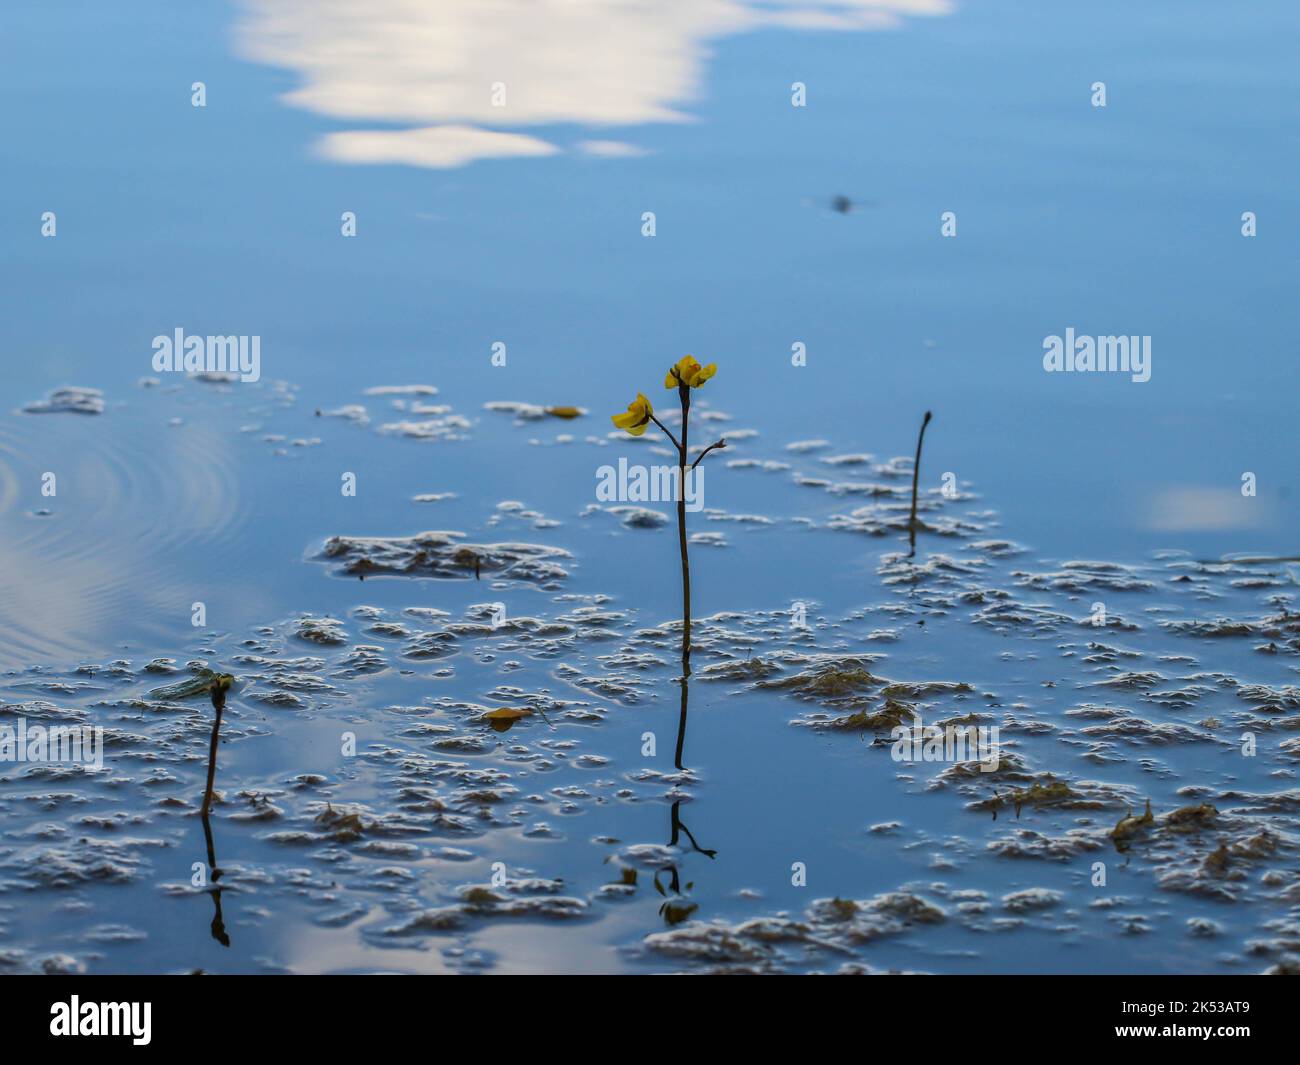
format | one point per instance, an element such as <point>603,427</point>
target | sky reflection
<point>461,78</point>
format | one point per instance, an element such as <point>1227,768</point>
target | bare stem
<point>916,476</point>
<point>684,394</point>
<point>218,926</point>
<point>666,432</point>
<point>218,704</point>
<point>699,458</point>
<point>681,723</point>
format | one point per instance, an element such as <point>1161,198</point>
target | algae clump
<point>1130,826</point>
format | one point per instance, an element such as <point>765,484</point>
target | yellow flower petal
<point>680,374</point>
<point>689,372</point>
<point>704,374</point>
<point>637,417</point>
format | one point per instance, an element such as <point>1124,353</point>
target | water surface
<point>521,225</point>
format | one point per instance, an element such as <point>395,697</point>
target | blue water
<point>225,219</point>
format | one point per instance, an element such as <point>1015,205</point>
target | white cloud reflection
<point>430,66</point>
<point>1205,509</point>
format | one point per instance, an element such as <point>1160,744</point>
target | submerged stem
<point>681,723</point>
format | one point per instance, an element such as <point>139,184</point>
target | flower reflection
<point>677,906</point>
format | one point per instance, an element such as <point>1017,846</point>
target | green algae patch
<point>890,716</point>
<point>1218,860</point>
<point>757,668</point>
<point>344,827</point>
<point>922,689</point>
<point>752,668</point>
<point>842,909</point>
<point>1191,818</point>
<point>675,911</point>
<point>828,683</point>
<point>1261,845</point>
<point>973,718</point>
<point>1047,792</point>
<point>481,896</point>
<point>1130,827</point>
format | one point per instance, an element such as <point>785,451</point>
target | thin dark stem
<point>707,853</point>
<point>684,394</point>
<point>218,704</point>
<point>681,745</point>
<point>681,724</point>
<point>699,458</point>
<point>667,432</point>
<point>218,926</point>
<point>916,476</point>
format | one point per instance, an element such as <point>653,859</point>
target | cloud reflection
<point>1205,509</point>
<point>431,67</point>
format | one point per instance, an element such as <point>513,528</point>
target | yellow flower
<point>689,372</point>
<point>636,418</point>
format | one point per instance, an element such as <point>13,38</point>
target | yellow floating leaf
<point>565,412</point>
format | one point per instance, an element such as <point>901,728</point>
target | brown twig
<point>666,432</point>
<point>719,445</point>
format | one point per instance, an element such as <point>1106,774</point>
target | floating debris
<point>69,401</point>
<point>442,555</point>
<point>402,390</point>
<point>505,718</point>
<point>204,682</point>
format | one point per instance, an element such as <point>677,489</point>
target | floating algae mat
<point>436,772</point>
